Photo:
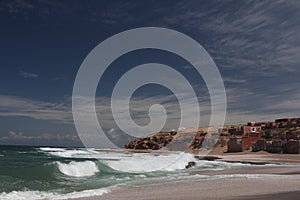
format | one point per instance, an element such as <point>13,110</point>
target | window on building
<point>239,141</point>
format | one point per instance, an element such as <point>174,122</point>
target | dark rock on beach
<point>190,164</point>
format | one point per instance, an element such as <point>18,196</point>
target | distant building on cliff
<point>251,133</point>
<point>280,136</point>
<point>252,127</point>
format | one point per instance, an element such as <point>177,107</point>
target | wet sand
<point>281,196</point>
<point>226,188</point>
<point>261,157</point>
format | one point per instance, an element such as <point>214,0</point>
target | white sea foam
<point>52,149</point>
<point>85,153</point>
<point>78,169</point>
<point>150,162</point>
<point>66,153</point>
<point>77,153</point>
<point>38,195</point>
<point>128,162</point>
<point>142,162</point>
<point>71,153</point>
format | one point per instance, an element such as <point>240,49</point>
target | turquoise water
<point>57,173</point>
<point>30,168</point>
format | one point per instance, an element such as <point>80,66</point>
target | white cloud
<point>27,74</point>
<point>19,135</point>
<point>238,109</point>
<point>233,80</point>
<point>17,106</point>
<point>13,135</point>
<point>260,39</point>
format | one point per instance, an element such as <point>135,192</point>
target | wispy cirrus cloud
<point>27,74</point>
<point>268,108</point>
<point>257,38</point>
<point>18,106</point>
<point>233,80</point>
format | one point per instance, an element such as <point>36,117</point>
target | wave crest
<point>149,162</point>
<point>78,169</point>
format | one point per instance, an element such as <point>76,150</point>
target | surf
<point>54,173</point>
<point>78,169</point>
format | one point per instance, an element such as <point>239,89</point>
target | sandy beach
<point>281,181</point>
<point>269,187</point>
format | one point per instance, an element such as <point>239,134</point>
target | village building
<point>259,145</point>
<point>251,133</point>
<point>235,144</point>
<point>274,146</point>
<point>281,136</point>
<point>252,128</point>
<point>292,146</point>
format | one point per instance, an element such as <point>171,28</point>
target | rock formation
<point>153,142</point>
<point>190,164</point>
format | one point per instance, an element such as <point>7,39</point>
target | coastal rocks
<point>208,158</point>
<point>197,142</point>
<point>153,142</point>
<point>181,142</point>
<point>190,164</point>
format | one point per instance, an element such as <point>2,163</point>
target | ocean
<point>62,173</point>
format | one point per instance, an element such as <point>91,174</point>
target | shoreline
<point>223,188</point>
<point>259,158</point>
<point>260,182</point>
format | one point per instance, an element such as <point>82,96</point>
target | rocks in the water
<point>154,142</point>
<point>190,164</point>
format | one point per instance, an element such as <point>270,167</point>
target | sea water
<point>62,173</point>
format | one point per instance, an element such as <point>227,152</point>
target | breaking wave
<point>120,161</point>
<point>78,169</point>
<point>150,162</point>
<point>65,153</point>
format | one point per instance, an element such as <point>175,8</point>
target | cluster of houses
<point>280,136</point>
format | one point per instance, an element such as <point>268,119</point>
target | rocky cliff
<point>152,142</point>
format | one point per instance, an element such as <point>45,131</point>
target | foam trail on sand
<point>38,195</point>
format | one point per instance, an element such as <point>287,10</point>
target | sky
<point>255,45</point>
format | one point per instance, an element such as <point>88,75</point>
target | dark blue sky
<point>255,44</point>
